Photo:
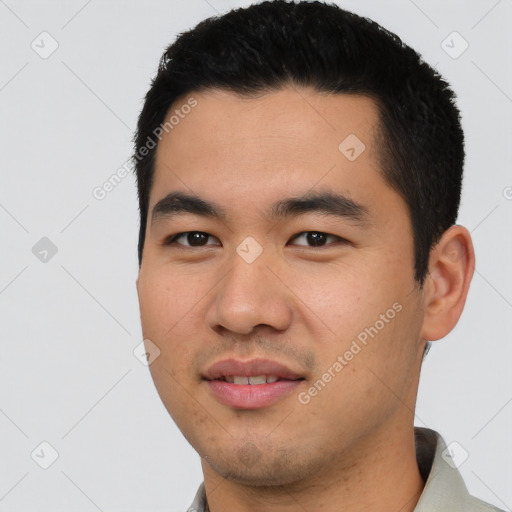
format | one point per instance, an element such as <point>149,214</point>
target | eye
<point>190,239</point>
<point>317,238</point>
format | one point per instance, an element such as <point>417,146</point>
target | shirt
<point>444,489</point>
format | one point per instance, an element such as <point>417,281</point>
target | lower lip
<point>252,396</point>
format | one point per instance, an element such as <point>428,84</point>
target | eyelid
<point>339,239</point>
<point>171,240</point>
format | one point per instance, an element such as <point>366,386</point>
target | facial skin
<point>352,446</point>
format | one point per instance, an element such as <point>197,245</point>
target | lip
<point>251,396</point>
<point>250,368</point>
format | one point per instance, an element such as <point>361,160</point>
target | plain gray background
<point>70,320</point>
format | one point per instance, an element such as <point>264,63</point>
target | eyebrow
<point>177,203</point>
<point>326,203</point>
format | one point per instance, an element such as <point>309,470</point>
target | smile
<point>251,384</point>
<point>256,380</point>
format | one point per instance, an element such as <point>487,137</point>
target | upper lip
<point>251,368</point>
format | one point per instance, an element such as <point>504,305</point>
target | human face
<point>211,296</point>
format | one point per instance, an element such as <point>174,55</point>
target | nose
<point>250,295</point>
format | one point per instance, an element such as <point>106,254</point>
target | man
<point>299,171</point>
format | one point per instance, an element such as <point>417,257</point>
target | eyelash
<point>172,239</point>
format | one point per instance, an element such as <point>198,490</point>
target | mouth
<point>253,371</point>
<point>254,380</point>
<point>251,384</point>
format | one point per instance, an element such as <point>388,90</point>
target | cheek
<point>368,316</point>
<point>170,316</point>
<point>166,307</point>
<point>341,299</point>
<point>165,301</point>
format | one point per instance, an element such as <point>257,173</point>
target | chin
<point>250,466</point>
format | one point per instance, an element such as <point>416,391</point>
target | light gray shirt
<point>444,489</point>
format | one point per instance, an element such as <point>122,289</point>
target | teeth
<point>257,379</point>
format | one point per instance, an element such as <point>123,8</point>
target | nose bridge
<point>249,295</point>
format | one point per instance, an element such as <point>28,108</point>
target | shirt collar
<point>199,504</point>
<point>444,489</point>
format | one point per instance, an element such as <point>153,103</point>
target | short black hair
<point>266,46</point>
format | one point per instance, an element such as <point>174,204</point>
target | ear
<point>451,267</point>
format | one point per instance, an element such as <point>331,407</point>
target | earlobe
<point>451,267</point>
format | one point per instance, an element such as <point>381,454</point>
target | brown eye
<point>191,239</point>
<point>315,238</point>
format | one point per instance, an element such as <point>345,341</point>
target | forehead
<point>257,147</point>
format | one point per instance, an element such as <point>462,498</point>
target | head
<point>317,162</point>
<point>264,47</point>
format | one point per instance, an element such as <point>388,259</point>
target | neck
<point>380,474</point>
